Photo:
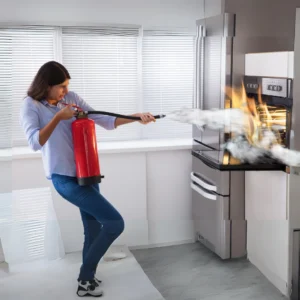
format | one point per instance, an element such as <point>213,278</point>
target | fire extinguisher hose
<point>121,116</point>
<point>79,109</point>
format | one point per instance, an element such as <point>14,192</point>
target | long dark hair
<point>49,74</point>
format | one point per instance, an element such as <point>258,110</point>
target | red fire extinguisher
<point>85,145</point>
<point>86,151</point>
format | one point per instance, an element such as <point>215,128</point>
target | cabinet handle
<point>203,193</point>
<point>203,183</point>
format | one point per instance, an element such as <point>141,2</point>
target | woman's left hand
<point>145,118</point>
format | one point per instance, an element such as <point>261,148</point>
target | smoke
<point>264,149</point>
<point>213,119</point>
<point>243,151</point>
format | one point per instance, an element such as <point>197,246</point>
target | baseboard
<point>148,246</point>
<point>280,284</point>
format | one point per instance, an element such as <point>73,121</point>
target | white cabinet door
<point>266,195</point>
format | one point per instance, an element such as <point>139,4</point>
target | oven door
<point>211,217</point>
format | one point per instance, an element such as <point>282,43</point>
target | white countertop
<point>108,147</point>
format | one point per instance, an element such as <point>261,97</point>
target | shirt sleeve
<point>107,122</point>
<point>29,121</point>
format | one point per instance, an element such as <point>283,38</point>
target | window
<point>168,72</point>
<point>122,70</point>
<point>30,47</point>
<point>103,64</point>
<point>5,90</point>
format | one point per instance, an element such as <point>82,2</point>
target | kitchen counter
<point>108,147</point>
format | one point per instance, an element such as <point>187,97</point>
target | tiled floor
<point>121,280</point>
<point>191,272</point>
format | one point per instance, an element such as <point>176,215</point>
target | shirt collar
<point>46,103</point>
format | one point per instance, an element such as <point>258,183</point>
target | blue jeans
<point>102,223</point>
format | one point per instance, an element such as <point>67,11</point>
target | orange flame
<point>259,117</point>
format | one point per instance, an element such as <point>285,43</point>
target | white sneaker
<point>98,281</point>
<point>89,288</point>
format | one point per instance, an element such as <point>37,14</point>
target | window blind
<point>31,47</point>
<point>103,64</point>
<point>168,75</point>
<point>5,90</point>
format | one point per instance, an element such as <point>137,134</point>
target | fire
<point>260,119</point>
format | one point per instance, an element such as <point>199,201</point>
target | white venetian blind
<point>5,90</point>
<point>31,48</point>
<point>168,80</point>
<point>103,64</point>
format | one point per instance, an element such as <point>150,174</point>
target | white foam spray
<point>265,148</point>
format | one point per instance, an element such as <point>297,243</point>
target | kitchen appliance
<point>217,194</point>
<point>218,208</point>
<point>277,94</point>
<point>218,179</point>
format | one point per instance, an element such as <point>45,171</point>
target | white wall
<point>265,18</point>
<point>213,7</point>
<point>148,13</point>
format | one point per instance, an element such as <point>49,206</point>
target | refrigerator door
<point>213,70</point>
<point>211,220</point>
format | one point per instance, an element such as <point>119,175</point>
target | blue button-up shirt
<point>57,152</point>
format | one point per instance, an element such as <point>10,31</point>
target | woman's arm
<point>45,133</point>
<point>64,114</point>
<point>109,122</point>
<point>29,121</point>
<point>145,119</point>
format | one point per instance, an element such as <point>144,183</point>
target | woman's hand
<point>66,113</point>
<point>145,118</point>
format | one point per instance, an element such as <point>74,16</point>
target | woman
<point>48,128</point>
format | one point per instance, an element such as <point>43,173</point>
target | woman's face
<point>57,92</point>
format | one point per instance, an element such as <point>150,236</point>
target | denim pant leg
<point>91,229</point>
<point>88,199</point>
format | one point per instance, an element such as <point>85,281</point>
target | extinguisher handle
<point>77,108</point>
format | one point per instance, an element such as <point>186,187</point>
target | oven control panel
<point>270,86</point>
<point>274,87</point>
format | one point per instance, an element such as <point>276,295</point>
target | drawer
<point>220,180</point>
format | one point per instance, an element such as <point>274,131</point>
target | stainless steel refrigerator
<point>217,195</point>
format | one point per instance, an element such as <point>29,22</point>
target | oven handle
<point>203,183</point>
<point>203,193</point>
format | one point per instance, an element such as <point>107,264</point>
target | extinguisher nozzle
<point>159,116</point>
